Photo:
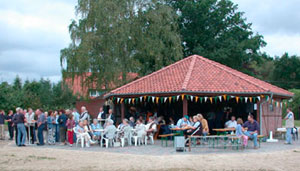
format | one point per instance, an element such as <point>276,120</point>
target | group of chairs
<point>128,134</point>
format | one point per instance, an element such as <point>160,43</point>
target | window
<point>95,93</point>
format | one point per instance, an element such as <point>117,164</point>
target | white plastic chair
<point>109,140</point>
<point>127,136</point>
<point>151,138</point>
<point>139,136</point>
<point>79,137</point>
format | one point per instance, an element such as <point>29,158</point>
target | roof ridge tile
<point>189,73</point>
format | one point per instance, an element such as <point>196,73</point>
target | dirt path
<point>33,158</point>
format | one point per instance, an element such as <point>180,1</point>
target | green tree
<point>287,71</point>
<point>217,30</point>
<point>120,36</point>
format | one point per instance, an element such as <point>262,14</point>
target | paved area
<point>158,150</point>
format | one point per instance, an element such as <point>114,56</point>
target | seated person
<point>125,125</point>
<point>252,129</point>
<point>140,128</point>
<point>132,122</point>
<point>161,120</point>
<point>231,123</point>
<point>88,129</point>
<point>110,130</point>
<point>183,122</point>
<point>196,129</point>
<point>204,124</point>
<point>95,125</point>
<point>80,132</point>
<point>239,131</point>
<point>150,127</point>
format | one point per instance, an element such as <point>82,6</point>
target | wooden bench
<point>164,137</point>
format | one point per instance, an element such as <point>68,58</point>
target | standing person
<point>289,124</point>
<point>30,116</point>
<point>51,128</point>
<point>2,121</point>
<point>70,125</point>
<point>41,125</point>
<point>19,120</point>
<point>84,114</point>
<point>76,116</point>
<point>62,120</point>
<point>15,125</point>
<point>56,116</point>
<point>252,130</point>
<point>10,124</point>
<point>101,114</point>
<point>111,115</point>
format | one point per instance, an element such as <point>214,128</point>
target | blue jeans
<point>21,132</point>
<point>288,135</point>
<point>252,136</point>
<point>40,134</point>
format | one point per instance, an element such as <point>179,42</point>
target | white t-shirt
<point>231,124</point>
<point>153,126</point>
<point>289,123</point>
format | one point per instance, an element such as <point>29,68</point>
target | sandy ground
<point>34,158</point>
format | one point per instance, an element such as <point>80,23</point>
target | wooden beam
<point>122,111</point>
<point>185,106</point>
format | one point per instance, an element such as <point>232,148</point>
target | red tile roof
<point>198,75</point>
<point>76,83</point>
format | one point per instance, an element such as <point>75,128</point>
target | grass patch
<point>297,123</point>
<point>41,157</point>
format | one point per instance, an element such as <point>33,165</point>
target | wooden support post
<point>122,111</point>
<point>185,106</point>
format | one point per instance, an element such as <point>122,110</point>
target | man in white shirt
<point>289,124</point>
<point>231,123</point>
<point>151,126</point>
<point>101,114</point>
<point>30,123</point>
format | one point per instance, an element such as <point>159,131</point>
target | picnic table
<point>179,131</point>
<point>223,131</point>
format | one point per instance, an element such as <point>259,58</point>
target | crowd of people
<point>65,126</point>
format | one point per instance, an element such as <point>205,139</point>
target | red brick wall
<point>271,120</point>
<point>92,106</point>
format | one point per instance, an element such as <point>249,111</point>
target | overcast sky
<point>32,32</point>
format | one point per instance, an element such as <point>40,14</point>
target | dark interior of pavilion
<point>215,113</point>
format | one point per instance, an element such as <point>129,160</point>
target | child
<point>239,131</point>
<point>70,125</point>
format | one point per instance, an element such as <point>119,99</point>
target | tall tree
<point>216,30</point>
<point>287,71</point>
<point>120,36</point>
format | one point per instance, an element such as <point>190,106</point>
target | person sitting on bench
<point>183,122</point>
<point>196,129</point>
<point>231,123</point>
<point>151,127</point>
<point>252,130</point>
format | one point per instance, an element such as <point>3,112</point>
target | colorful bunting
<point>211,100</point>
<point>192,98</point>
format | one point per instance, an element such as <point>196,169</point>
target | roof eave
<point>199,92</point>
